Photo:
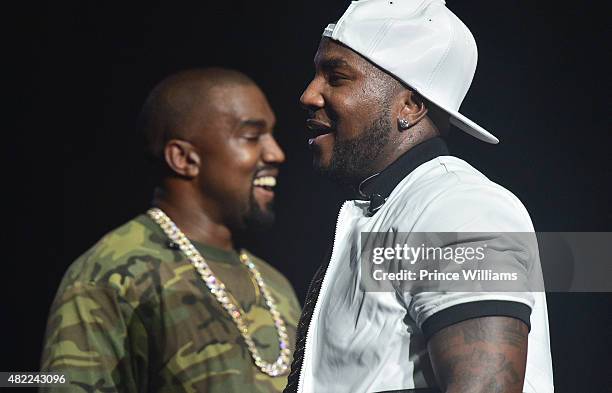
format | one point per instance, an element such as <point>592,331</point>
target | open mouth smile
<point>264,183</point>
<point>267,182</point>
<point>317,129</point>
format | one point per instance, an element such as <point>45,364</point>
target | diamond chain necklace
<point>217,288</point>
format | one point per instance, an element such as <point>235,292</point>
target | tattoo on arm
<point>481,355</point>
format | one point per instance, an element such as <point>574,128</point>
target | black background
<point>74,168</point>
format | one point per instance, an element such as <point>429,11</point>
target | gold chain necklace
<point>217,288</point>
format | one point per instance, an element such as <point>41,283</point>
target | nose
<point>311,97</point>
<point>272,153</point>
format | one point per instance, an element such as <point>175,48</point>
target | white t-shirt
<point>365,342</point>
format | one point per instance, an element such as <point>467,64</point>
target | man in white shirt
<point>390,77</point>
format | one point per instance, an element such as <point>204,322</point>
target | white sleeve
<point>482,212</point>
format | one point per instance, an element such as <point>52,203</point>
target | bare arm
<point>481,355</point>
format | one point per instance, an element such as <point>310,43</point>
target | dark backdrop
<point>74,169</point>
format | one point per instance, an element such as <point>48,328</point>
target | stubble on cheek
<point>352,159</point>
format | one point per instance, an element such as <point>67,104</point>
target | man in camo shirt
<point>133,314</point>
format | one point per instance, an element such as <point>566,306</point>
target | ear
<point>182,158</point>
<point>412,111</point>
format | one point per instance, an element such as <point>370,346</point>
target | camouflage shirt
<point>133,315</point>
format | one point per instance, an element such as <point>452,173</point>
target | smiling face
<point>350,105</point>
<point>238,154</point>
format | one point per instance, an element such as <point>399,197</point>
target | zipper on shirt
<point>317,306</point>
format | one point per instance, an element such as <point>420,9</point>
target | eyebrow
<point>257,123</point>
<point>333,63</point>
<point>260,124</point>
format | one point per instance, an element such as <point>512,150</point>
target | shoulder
<point>121,257</point>
<point>453,196</point>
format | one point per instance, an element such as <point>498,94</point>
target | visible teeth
<point>265,181</point>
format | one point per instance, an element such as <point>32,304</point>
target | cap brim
<point>466,125</point>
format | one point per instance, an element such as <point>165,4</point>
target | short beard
<point>257,219</point>
<point>352,159</point>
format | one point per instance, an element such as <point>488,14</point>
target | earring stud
<point>404,124</point>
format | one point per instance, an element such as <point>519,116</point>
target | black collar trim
<point>377,188</point>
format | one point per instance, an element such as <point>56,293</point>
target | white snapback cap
<point>421,43</point>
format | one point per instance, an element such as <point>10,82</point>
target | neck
<point>189,214</point>
<point>405,141</point>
